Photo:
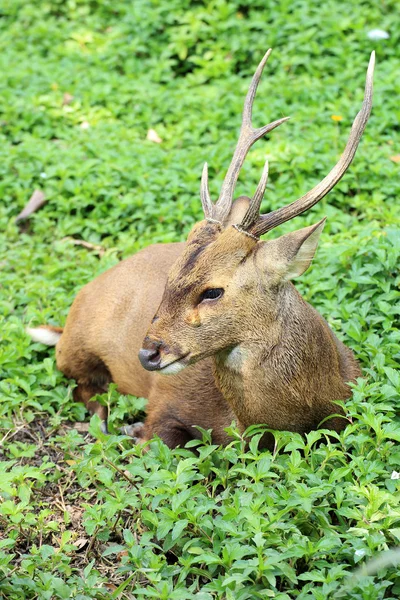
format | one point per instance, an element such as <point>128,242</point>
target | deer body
<point>230,331</point>
<point>284,374</point>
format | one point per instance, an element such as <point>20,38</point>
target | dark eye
<point>211,294</point>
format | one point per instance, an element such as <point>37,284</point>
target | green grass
<point>93,517</point>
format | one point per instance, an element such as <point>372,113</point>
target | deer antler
<point>259,224</point>
<point>247,137</point>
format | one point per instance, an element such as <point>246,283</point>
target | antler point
<point>371,64</point>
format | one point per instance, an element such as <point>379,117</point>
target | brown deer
<point>230,330</point>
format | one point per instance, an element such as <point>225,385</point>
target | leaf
<point>81,427</point>
<point>395,533</point>
<point>88,568</point>
<point>80,543</point>
<point>209,558</point>
<point>67,99</point>
<point>178,528</point>
<point>35,202</point>
<point>153,136</point>
<point>88,245</point>
<point>164,528</point>
<point>24,492</point>
<point>118,590</point>
<point>129,537</point>
<point>395,158</point>
<point>393,376</point>
<point>378,34</point>
<point>114,549</point>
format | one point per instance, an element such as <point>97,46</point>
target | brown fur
<point>275,359</point>
<point>108,320</point>
<point>288,365</point>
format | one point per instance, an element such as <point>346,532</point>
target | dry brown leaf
<point>75,513</point>
<point>35,202</point>
<point>88,245</point>
<point>67,99</point>
<point>81,427</point>
<point>153,136</point>
<point>80,543</point>
<point>395,158</point>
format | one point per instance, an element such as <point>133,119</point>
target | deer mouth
<point>175,366</point>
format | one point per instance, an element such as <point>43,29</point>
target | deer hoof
<point>104,428</point>
<point>135,431</point>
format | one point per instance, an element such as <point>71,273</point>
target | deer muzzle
<point>157,356</point>
<point>150,358</point>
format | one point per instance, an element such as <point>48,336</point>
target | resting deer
<point>230,330</point>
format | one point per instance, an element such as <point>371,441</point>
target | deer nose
<point>150,358</point>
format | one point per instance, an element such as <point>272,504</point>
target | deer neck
<point>279,375</point>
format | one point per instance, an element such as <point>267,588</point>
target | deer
<point>212,330</point>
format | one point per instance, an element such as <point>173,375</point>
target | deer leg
<point>84,392</point>
<point>90,373</point>
<point>172,432</point>
<point>136,431</point>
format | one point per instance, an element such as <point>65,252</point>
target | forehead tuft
<point>204,232</point>
<point>209,251</point>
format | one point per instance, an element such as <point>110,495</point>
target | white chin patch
<point>174,368</point>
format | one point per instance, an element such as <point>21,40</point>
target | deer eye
<point>211,294</point>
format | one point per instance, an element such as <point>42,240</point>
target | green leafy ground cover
<point>87,516</point>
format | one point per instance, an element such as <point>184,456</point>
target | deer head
<point>228,286</point>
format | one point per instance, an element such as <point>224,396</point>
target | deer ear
<point>291,254</point>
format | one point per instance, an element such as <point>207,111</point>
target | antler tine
<point>251,94</point>
<point>247,137</point>
<point>253,211</point>
<point>281,215</point>
<point>205,194</point>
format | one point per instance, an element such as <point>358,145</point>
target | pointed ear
<point>291,254</point>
